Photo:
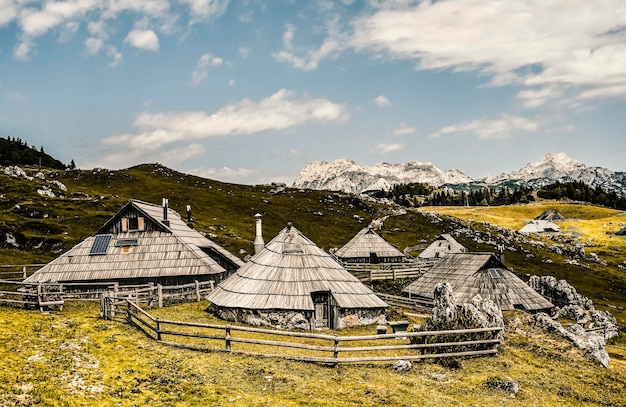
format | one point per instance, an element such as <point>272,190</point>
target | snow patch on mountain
<point>348,176</point>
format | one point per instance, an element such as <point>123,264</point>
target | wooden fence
<point>45,295</point>
<point>389,271</point>
<point>18,272</point>
<point>309,347</point>
<point>408,303</point>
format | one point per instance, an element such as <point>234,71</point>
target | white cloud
<point>182,154</point>
<point>382,101</point>
<point>35,22</point>
<point>115,55</point>
<point>276,112</point>
<point>500,129</point>
<point>403,130</point>
<point>93,45</point>
<point>17,97</point>
<point>232,82</point>
<point>202,67</point>
<point>143,39</point>
<point>24,50</point>
<point>8,11</point>
<point>244,52</point>
<point>384,148</point>
<point>565,43</point>
<point>226,174</point>
<point>205,10</point>
<point>332,45</point>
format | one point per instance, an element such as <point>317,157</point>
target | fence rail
<point>387,271</point>
<point>17,272</point>
<point>43,295</point>
<point>404,302</point>
<point>311,347</point>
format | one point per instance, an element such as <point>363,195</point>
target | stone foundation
<point>296,319</point>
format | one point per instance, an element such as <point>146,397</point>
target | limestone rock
<point>402,366</point>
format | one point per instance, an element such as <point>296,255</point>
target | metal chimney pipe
<point>165,204</point>
<point>259,244</point>
<point>189,219</point>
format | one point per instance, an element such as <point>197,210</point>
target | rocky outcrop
<point>479,313</point>
<point>559,292</point>
<point>575,306</point>
<point>592,343</point>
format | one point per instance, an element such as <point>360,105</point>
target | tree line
<point>15,151</point>
<point>419,194</point>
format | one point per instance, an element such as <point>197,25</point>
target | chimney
<point>259,244</point>
<point>165,221</point>
<point>189,218</point>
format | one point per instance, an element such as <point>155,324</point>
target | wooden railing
<point>404,302</point>
<point>313,347</point>
<point>43,295</point>
<point>387,271</point>
<point>18,272</point>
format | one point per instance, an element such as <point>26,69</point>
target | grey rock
<point>402,366</point>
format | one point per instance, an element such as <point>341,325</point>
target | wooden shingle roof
<point>478,273</point>
<point>284,274</point>
<point>444,244</point>
<point>540,226</point>
<point>165,249</point>
<point>366,242</point>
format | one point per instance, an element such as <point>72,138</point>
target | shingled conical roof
<point>443,245</point>
<point>284,274</point>
<point>551,215</point>
<point>478,273</point>
<point>366,242</point>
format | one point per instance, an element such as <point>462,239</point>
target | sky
<point>252,91</point>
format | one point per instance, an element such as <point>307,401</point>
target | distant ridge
<point>348,176</point>
<point>17,152</point>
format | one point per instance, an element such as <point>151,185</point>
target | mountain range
<point>348,176</point>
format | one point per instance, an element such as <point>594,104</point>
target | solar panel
<point>100,244</point>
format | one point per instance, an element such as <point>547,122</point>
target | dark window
<point>133,224</point>
<point>126,242</point>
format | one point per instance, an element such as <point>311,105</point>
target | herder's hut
<point>540,226</point>
<point>369,247</point>
<point>443,245</point>
<point>292,283</point>
<point>551,215</point>
<point>143,243</point>
<point>478,273</point>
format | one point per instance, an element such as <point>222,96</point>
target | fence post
<point>336,350</point>
<point>371,275</point>
<point>158,327</point>
<point>24,271</point>
<point>160,295</point>
<point>198,298</point>
<point>212,284</point>
<point>227,337</point>
<point>115,289</point>
<point>393,270</point>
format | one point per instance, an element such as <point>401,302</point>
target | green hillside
<point>73,358</point>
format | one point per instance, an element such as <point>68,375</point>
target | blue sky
<point>252,91</point>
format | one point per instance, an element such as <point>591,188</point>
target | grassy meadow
<point>73,358</point>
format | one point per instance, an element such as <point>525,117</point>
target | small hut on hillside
<point>551,215</point>
<point>368,247</point>
<point>292,283</point>
<point>540,226</point>
<point>443,245</point>
<point>478,273</point>
<point>143,243</point>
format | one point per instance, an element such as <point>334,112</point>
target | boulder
<point>402,366</point>
<point>591,343</point>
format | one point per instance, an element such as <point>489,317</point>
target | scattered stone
<point>402,366</point>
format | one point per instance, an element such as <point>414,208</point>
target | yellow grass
<point>73,358</point>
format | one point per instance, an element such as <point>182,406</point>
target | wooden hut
<point>443,245</point>
<point>292,283</point>
<point>368,247</point>
<point>540,226</point>
<point>478,273</point>
<point>143,243</point>
<point>551,215</point>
